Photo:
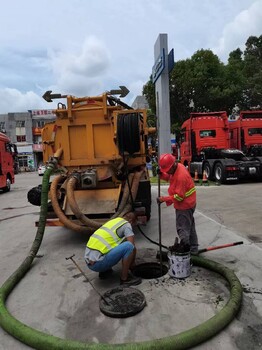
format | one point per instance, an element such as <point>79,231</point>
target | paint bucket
<point>179,264</point>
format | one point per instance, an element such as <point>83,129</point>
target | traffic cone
<point>196,179</point>
<point>204,179</point>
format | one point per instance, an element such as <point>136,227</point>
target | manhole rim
<point>153,264</point>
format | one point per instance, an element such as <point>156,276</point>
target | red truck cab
<point>246,133</point>
<point>7,176</point>
<point>205,146</point>
<point>203,131</point>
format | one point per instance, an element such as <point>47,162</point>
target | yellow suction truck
<point>102,151</point>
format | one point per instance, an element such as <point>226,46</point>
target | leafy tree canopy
<point>204,83</point>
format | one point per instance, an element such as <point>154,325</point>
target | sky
<point>87,47</point>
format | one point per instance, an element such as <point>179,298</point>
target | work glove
<point>160,200</point>
<point>167,199</point>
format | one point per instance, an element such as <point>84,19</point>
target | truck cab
<point>7,176</point>
<point>205,146</point>
<point>203,132</point>
<point>246,133</point>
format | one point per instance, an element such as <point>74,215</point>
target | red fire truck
<point>7,155</point>
<point>246,133</point>
<point>205,145</point>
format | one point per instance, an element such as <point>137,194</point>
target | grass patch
<point>154,180</point>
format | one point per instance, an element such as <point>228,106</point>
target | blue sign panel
<point>171,62</point>
<point>158,67</point>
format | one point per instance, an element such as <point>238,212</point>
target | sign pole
<point>160,74</point>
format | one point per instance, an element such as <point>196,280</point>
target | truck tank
<point>102,170</point>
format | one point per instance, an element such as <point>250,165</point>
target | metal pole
<point>158,182</point>
<point>88,280</point>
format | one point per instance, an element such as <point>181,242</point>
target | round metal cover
<point>122,302</point>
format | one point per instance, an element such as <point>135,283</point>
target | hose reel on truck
<point>128,133</point>
<point>103,163</point>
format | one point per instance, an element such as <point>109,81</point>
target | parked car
<point>41,169</point>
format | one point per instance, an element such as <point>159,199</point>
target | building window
<point>21,138</point>
<point>40,123</point>
<point>22,161</point>
<point>2,126</point>
<point>37,139</point>
<point>20,123</point>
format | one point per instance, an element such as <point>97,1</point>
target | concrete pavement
<point>55,298</point>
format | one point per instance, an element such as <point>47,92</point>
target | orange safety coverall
<point>182,191</point>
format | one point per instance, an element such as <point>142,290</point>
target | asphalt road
<point>54,297</point>
<point>237,206</point>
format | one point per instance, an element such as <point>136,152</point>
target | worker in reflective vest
<point>182,194</point>
<point>112,242</point>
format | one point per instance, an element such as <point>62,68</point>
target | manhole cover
<point>149,270</point>
<point>122,302</point>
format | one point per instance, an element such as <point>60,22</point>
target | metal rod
<point>88,280</point>
<point>158,182</point>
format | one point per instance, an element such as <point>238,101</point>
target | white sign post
<point>160,76</point>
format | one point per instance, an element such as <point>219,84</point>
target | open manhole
<point>149,270</point>
<point>122,302</point>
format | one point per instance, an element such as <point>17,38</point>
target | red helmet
<point>166,162</point>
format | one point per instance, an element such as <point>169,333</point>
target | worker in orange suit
<point>182,194</point>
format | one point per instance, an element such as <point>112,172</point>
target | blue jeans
<point>122,251</point>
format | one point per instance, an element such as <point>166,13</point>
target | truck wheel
<point>207,169</point>
<point>7,188</point>
<point>34,195</point>
<point>144,197</point>
<point>219,173</point>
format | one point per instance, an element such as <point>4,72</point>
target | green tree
<point>253,72</point>
<point>203,83</point>
<point>181,91</point>
<point>149,93</point>
<point>197,84</point>
<point>234,80</point>
<point>208,77</point>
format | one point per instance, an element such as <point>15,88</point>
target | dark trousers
<point>185,226</point>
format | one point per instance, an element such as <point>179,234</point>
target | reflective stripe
<point>112,234</point>
<point>176,196</point>
<point>105,238</point>
<point>188,193</point>
<point>118,224</point>
<point>102,240</point>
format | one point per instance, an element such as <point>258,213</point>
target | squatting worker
<point>112,242</point>
<point>182,194</point>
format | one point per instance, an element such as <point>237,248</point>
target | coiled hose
<point>70,192</point>
<point>90,225</point>
<point>53,195</point>
<point>44,341</point>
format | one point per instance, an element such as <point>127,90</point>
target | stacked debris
<point>179,247</point>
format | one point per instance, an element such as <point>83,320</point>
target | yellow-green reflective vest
<point>105,238</point>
